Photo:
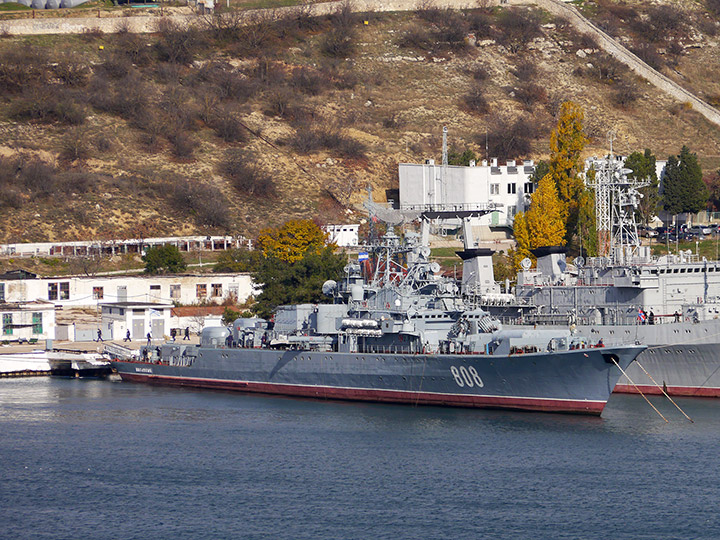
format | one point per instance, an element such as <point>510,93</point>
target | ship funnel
<point>478,275</point>
<point>551,261</point>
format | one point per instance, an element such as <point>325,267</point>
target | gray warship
<point>395,331</point>
<point>670,303</point>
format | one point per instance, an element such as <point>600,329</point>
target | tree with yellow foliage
<point>293,240</point>
<point>544,218</point>
<point>566,143</point>
<point>543,224</point>
<point>522,240</point>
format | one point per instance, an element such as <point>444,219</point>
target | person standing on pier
<point>149,336</point>
<point>127,336</point>
<point>99,336</point>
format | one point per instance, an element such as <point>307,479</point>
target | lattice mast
<point>616,199</point>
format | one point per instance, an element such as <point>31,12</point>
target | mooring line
<point>664,392</point>
<point>636,388</point>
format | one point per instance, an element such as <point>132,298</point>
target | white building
<point>141,318</point>
<point>453,187</point>
<point>84,291</point>
<point>27,321</point>
<point>342,235</point>
<point>114,247</point>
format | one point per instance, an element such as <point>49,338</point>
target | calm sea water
<point>99,459</point>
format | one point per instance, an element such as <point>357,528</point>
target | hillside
<point>234,127</point>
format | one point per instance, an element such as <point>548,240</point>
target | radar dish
<point>579,261</point>
<point>329,287</point>
<point>347,268</point>
<point>626,171</point>
<point>526,263</point>
<point>425,251</point>
<point>434,267</point>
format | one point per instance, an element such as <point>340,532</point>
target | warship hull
<point>679,370</point>
<point>683,358</point>
<point>576,381</point>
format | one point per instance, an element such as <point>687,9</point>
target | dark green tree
<point>454,158</point>
<point>683,187</point>
<point>165,259</point>
<point>541,169</point>
<point>238,260</point>
<point>229,315</point>
<point>712,181</point>
<point>643,168</point>
<point>298,282</point>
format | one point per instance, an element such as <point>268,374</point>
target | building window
<point>511,188</point>
<point>65,291</point>
<point>216,290</point>
<point>2,292</point>
<point>97,293</point>
<point>52,291</point>
<point>37,323</point>
<point>512,210</point>
<point>155,287</point>
<point>529,187</point>
<point>7,324</point>
<point>494,189</point>
<point>174,291</point>
<point>201,291</point>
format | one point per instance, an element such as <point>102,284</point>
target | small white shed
<point>140,318</point>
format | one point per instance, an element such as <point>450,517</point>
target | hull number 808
<point>466,376</point>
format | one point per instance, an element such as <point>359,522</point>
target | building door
<point>158,328</point>
<point>122,293</point>
<point>138,329</point>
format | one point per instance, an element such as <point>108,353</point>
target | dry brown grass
<point>388,100</point>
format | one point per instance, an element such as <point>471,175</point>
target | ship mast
<point>616,199</point>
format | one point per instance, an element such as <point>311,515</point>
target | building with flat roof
<point>140,318</point>
<point>507,188</point>
<point>27,321</point>
<point>343,235</point>
<point>90,291</point>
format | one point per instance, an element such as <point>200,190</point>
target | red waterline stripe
<point>385,396</point>
<point>688,391</point>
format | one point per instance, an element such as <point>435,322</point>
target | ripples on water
<point>95,459</point>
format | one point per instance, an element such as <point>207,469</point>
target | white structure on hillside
<point>506,187</point>
<point>84,291</point>
<point>342,235</point>
<point>27,321</point>
<point>83,248</point>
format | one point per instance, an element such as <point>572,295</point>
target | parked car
<point>647,232</point>
<point>700,229</point>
